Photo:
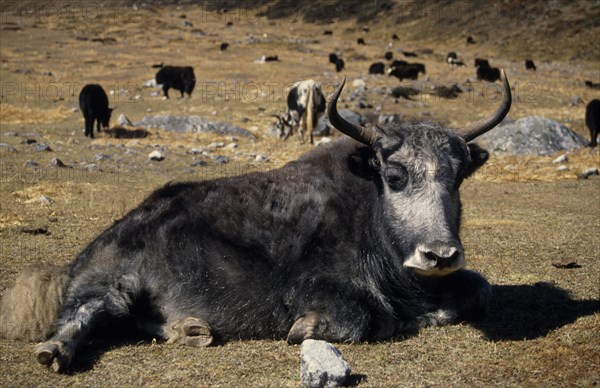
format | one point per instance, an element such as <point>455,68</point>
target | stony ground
<point>521,214</point>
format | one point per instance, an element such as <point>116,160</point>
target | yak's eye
<point>396,177</point>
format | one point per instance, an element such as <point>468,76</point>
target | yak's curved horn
<point>364,135</point>
<point>480,127</point>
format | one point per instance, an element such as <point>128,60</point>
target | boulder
<point>191,124</point>
<point>531,135</point>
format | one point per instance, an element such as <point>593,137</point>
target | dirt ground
<point>520,213</point>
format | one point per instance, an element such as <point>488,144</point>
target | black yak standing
<point>93,103</point>
<point>592,120</point>
<point>180,78</point>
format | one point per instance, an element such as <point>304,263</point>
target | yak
<point>93,103</point>
<point>305,105</point>
<point>592,120</point>
<point>180,78</point>
<point>357,240</point>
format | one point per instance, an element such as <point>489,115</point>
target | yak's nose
<point>437,258</point>
<point>445,257</point>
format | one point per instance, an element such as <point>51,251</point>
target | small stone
<point>199,163</point>
<point>56,162</point>
<point>42,147</point>
<point>91,167</point>
<point>232,145</point>
<point>322,141</point>
<point>358,83</point>
<point>101,157</point>
<point>561,159</point>
<point>322,365</point>
<point>30,163</point>
<point>220,159</point>
<point>45,199</point>
<point>562,168</point>
<point>156,156</point>
<point>261,158</point>
<point>216,145</point>
<point>8,147</point>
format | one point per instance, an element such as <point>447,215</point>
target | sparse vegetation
<point>520,214</point>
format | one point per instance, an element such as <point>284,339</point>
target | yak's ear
<point>478,158</point>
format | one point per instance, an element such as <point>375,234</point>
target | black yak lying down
<point>356,240</point>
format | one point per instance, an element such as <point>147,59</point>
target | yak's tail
<point>29,310</point>
<point>309,114</point>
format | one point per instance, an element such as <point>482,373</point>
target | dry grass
<point>520,213</point>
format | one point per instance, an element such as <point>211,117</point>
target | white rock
<point>359,83</point>
<point>156,155</point>
<point>323,140</point>
<point>562,168</point>
<point>151,83</point>
<point>123,120</point>
<point>322,365</point>
<point>561,159</point>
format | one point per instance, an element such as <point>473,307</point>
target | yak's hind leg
<point>90,301</point>
<point>462,296</point>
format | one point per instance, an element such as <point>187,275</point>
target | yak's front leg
<point>339,313</point>
<point>461,296</point>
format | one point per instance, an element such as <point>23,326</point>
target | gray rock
<point>56,162</point>
<point>199,163</point>
<point>322,365</point>
<point>8,147</point>
<point>220,159</point>
<point>101,157</point>
<point>42,147</point>
<point>576,100</point>
<point>30,163</point>
<point>191,124</point>
<point>531,135</point>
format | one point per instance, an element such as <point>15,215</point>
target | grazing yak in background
<point>305,104</point>
<point>479,62</point>
<point>180,78</point>
<point>357,240</point>
<point>592,120</point>
<point>93,103</point>
<point>486,72</point>
<point>408,71</point>
<point>377,68</point>
<point>529,65</point>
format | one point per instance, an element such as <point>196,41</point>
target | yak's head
<point>285,124</point>
<point>104,117</point>
<point>420,167</point>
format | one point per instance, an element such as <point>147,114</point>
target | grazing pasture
<point>521,214</point>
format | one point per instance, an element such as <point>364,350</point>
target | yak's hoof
<point>304,328</point>
<point>54,355</point>
<point>190,331</point>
